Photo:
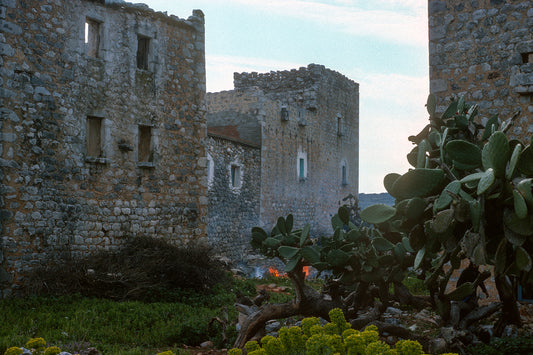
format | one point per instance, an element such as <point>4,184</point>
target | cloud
<point>397,21</point>
<point>391,109</point>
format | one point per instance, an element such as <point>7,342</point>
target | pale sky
<point>381,44</point>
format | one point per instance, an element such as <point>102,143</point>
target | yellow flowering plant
<point>335,338</point>
<point>36,343</point>
<point>13,351</point>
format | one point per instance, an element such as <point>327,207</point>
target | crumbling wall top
<point>196,20</point>
<point>300,86</point>
<point>295,79</point>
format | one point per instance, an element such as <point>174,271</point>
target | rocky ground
<point>424,323</point>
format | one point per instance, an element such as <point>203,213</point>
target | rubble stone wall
<point>233,210</point>
<point>59,95</point>
<point>480,49</point>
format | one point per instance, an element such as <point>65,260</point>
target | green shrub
<point>314,339</point>
<point>504,346</point>
<point>52,350</point>
<point>108,325</point>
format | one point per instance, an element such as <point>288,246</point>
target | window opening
<point>344,180</point>
<point>339,125</point>
<point>284,114</point>
<point>235,176</point>
<point>145,144</point>
<point>94,136</point>
<point>210,170</point>
<point>92,37</point>
<point>143,45</point>
<point>527,57</point>
<point>302,167</point>
<point>301,117</point>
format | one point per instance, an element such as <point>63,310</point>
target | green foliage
<point>420,182</point>
<point>376,214</point>
<point>130,327</point>
<point>52,350</point>
<point>36,343</point>
<point>468,196</point>
<point>409,347</point>
<point>475,200</point>
<point>283,242</point>
<point>504,346</point>
<point>314,339</point>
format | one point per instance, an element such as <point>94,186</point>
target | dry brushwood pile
<point>140,270</point>
<point>467,199</point>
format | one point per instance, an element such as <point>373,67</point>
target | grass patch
<point>415,285</point>
<point>75,322</point>
<point>104,324</point>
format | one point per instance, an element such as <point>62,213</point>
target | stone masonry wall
<point>56,199</point>
<point>317,100</point>
<point>236,108</point>
<point>233,210</point>
<point>481,49</point>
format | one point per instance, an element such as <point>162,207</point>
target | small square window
<point>143,47</point>
<point>92,37</point>
<point>94,137</point>
<point>527,57</point>
<point>144,153</point>
<point>236,181</point>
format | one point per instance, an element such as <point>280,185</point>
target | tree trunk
<point>307,302</point>
<point>510,313</point>
<point>402,294</point>
<point>477,314</point>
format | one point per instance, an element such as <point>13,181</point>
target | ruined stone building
<point>103,136</point>
<point>483,50</point>
<point>279,143</point>
<point>102,129</point>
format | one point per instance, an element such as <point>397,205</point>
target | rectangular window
<point>143,46</point>
<point>339,126</point>
<point>145,144</point>
<point>235,176</point>
<point>284,114</point>
<point>92,37</point>
<point>302,167</point>
<point>94,136</point>
<point>344,181</point>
